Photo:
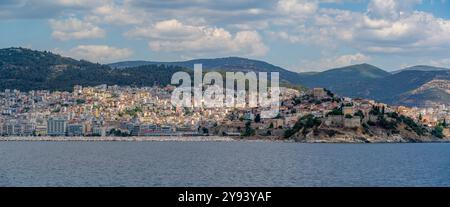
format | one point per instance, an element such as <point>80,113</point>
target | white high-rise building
<point>56,126</point>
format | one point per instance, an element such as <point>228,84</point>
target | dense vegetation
<point>226,64</point>
<point>304,124</point>
<point>391,121</point>
<point>335,112</point>
<point>438,130</point>
<point>249,131</point>
<point>412,125</point>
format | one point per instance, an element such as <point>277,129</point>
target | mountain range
<point>27,69</point>
<point>224,64</point>
<point>421,68</point>
<point>407,87</point>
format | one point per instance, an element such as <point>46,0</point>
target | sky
<point>299,35</point>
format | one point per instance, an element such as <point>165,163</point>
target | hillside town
<point>129,111</point>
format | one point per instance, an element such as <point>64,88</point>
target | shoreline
<point>187,139</point>
<point>120,139</point>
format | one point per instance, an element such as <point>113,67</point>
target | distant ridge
<point>227,64</point>
<point>421,68</point>
<point>133,63</point>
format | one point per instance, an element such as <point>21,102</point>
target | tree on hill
<point>438,131</point>
<point>335,112</point>
<point>329,93</point>
<point>257,118</point>
<point>360,114</point>
<point>249,131</point>
<point>375,111</point>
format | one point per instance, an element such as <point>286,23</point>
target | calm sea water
<point>222,164</point>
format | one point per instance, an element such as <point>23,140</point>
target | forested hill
<point>26,69</point>
<point>226,64</point>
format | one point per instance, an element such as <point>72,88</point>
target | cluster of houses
<point>126,111</point>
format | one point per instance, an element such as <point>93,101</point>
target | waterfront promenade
<point>123,139</point>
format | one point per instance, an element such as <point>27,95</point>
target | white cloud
<point>297,8</point>
<point>97,53</point>
<point>333,62</point>
<point>76,3</point>
<point>392,9</point>
<point>11,9</point>
<point>418,32</point>
<point>175,36</point>
<point>114,14</point>
<point>351,59</point>
<point>388,27</point>
<point>73,28</point>
<point>445,62</point>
